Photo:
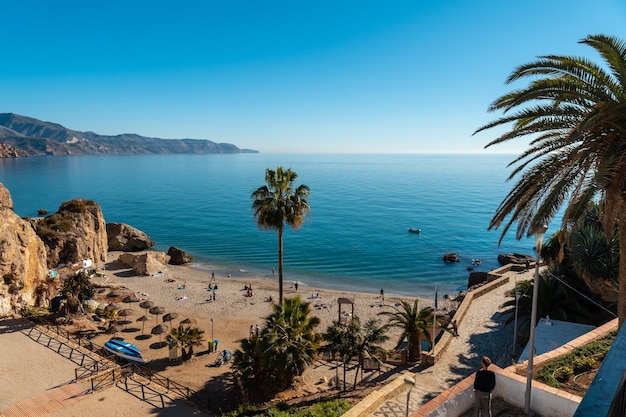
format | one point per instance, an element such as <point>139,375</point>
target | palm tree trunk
<point>621,301</point>
<point>414,348</point>
<point>280,266</point>
<point>356,374</point>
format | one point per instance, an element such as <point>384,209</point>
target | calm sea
<point>356,237</point>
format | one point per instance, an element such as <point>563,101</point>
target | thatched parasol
<point>143,320</point>
<point>147,304</point>
<point>157,311</point>
<point>112,306</point>
<point>130,299</point>
<point>169,317</point>
<point>125,313</point>
<point>159,329</point>
<point>113,329</point>
<point>114,294</point>
<point>188,321</point>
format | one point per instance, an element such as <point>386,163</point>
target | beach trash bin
<point>210,345</point>
<point>215,342</point>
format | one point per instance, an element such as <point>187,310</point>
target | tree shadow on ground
<point>490,343</point>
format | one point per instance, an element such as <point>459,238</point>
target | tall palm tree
<point>413,322</point>
<point>574,112</point>
<point>277,203</point>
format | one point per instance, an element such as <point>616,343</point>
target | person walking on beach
<point>484,383</point>
<point>455,328</point>
<point>295,285</point>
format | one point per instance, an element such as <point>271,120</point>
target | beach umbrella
<point>114,294</point>
<point>157,311</point>
<point>169,317</point>
<point>113,329</point>
<point>188,321</point>
<point>125,313</point>
<point>130,299</point>
<point>112,306</point>
<point>143,320</point>
<point>147,304</point>
<point>159,330</point>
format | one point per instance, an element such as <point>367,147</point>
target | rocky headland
<point>30,248</point>
<point>22,136</point>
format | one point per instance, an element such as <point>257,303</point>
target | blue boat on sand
<point>124,350</point>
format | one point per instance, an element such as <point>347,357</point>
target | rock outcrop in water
<point>22,260</point>
<point>515,258</point>
<point>125,238</point>
<point>178,256</point>
<point>148,263</point>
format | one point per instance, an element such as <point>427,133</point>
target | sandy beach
<point>184,290</point>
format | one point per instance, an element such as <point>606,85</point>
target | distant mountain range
<point>24,136</point>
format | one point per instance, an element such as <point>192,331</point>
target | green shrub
<point>583,364</point>
<point>327,408</point>
<point>584,357</point>
<point>563,374</point>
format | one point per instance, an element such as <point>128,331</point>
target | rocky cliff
<point>75,232</point>
<point>22,261</point>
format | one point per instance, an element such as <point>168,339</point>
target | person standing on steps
<point>484,383</point>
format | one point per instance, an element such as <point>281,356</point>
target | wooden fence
<point>103,371</point>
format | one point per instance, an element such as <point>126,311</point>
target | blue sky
<point>286,76</point>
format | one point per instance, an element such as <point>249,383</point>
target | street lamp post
<point>212,329</point>
<point>409,383</point>
<point>517,297</point>
<point>539,233</point>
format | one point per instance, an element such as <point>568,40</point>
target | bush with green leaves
<point>563,374</point>
<point>583,364</point>
<point>581,359</point>
<point>325,408</point>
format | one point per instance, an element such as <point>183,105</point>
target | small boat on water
<point>414,230</point>
<point>124,350</point>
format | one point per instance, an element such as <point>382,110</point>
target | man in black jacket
<point>484,383</point>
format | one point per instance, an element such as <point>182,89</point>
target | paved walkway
<point>480,333</point>
<point>46,402</point>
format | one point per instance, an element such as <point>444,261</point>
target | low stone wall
<point>501,277</point>
<point>372,402</point>
<point>545,400</point>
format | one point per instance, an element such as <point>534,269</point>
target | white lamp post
<point>409,383</point>
<point>517,297</point>
<point>539,233</point>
